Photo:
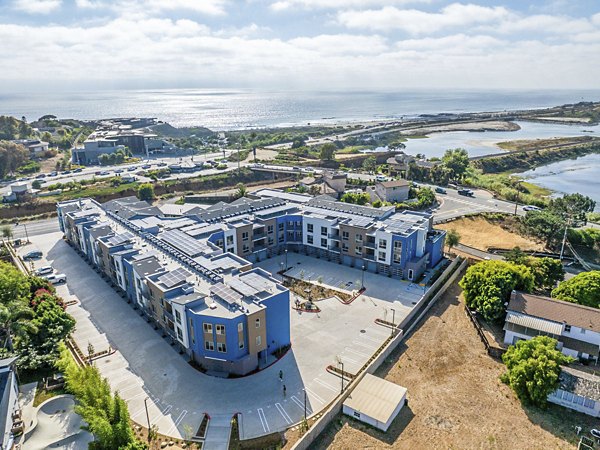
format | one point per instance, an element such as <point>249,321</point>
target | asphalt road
<point>35,228</point>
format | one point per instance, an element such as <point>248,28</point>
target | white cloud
<point>415,21</point>
<point>144,7</point>
<point>340,44</point>
<point>281,5</point>
<point>37,6</point>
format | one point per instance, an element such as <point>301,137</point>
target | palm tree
<point>15,321</point>
<point>452,238</point>
<point>241,190</point>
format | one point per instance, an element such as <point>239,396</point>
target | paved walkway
<point>147,369</point>
<point>217,435</point>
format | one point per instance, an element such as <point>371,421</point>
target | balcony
<point>334,236</point>
<point>372,245</point>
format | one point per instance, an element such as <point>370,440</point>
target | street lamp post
<point>25,227</point>
<point>304,404</point>
<point>147,415</point>
<point>286,260</point>
<point>342,364</point>
<point>362,282</point>
<point>393,320</point>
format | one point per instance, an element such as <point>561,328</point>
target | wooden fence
<point>493,351</point>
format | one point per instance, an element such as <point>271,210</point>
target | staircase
<point>217,435</point>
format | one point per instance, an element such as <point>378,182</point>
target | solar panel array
<point>398,226</point>
<point>243,288</point>
<point>174,277</point>
<point>362,222</point>
<point>184,243</point>
<point>225,293</point>
<point>121,238</point>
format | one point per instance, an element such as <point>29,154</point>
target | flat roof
<point>376,398</point>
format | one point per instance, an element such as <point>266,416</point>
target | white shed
<point>375,401</point>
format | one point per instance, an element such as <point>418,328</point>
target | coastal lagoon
<point>480,143</point>
<point>580,175</point>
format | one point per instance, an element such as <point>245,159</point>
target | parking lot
<point>146,366</point>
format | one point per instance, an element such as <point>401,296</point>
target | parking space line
<point>284,413</point>
<point>177,422</point>
<point>317,397</point>
<point>372,339</point>
<point>364,355</point>
<point>362,344</point>
<point>263,420</point>
<point>345,358</point>
<point>166,410</point>
<point>326,385</point>
<point>301,405</point>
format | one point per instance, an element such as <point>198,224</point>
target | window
<point>309,228</point>
<point>209,345</point>
<point>245,248</point>
<point>578,400</point>
<point>345,247</point>
<point>270,229</point>
<point>356,414</point>
<point>567,328</point>
<point>323,242</point>
<point>177,316</point>
<point>280,226</point>
<point>582,330</point>
<point>220,329</point>
<point>257,323</point>
<point>207,327</point>
<point>382,243</point>
<point>281,238</point>
<point>358,250</point>
<point>179,333</point>
<point>240,327</point>
<point>381,256</point>
<point>258,341</point>
<point>244,235</point>
<point>229,240</point>
<point>323,231</point>
<point>345,235</point>
<point>221,347</point>
<point>358,238</point>
<point>219,243</point>
<point>309,239</point>
<point>270,241</point>
<point>589,403</point>
<point>568,397</point>
<point>397,257</point>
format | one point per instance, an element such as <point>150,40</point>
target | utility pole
<point>362,283</point>
<point>564,241</point>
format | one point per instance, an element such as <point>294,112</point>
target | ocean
<point>228,109</point>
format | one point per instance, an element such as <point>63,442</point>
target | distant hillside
<point>166,130</point>
<point>12,128</point>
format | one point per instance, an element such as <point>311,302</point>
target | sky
<point>299,44</point>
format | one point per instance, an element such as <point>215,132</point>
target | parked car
<point>146,166</point>
<point>466,192</point>
<point>531,208</point>
<point>59,278</point>
<point>380,178</point>
<point>131,169</point>
<point>78,170</point>
<point>104,172</point>
<point>119,171</point>
<point>41,175</point>
<point>52,174</point>
<point>161,164</point>
<point>44,270</point>
<point>440,190</point>
<point>33,254</point>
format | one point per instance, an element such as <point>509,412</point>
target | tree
<point>516,256</point>
<point>547,272</point>
<point>299,142</point>
<point>13,285</point>
<point>544,225</point>
<point>241,190</point>
<point>456,161</point>
<point>487,286</point>
<point>452,238</point>
<point>583,288</point>
<point>146,192</point>
<point>370,164</point>
<point>15,322</point>
<point>533,368</point>
<point>327,152</point>
<point>12,156</point>
<point>7,232</point>
<point>572,206</point>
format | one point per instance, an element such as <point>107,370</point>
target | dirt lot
<point>455,397</point>
<point>479,233</point>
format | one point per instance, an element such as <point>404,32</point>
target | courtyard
<point>146,368</point>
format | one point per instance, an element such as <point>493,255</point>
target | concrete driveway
<point>145,366</point>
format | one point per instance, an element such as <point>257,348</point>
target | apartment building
<point>213,305</point>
